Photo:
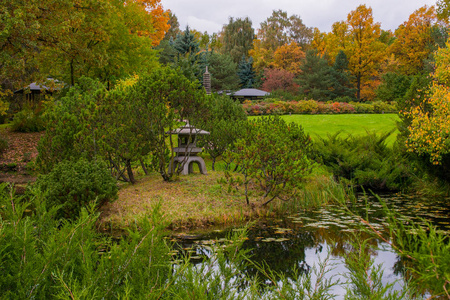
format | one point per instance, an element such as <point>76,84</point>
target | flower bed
<point>277,107</point>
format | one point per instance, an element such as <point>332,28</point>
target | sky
<point>211,15</point>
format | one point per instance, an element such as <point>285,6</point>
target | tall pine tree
<point>316,77</point>
<point>341,84</point>
<point>246,73</point>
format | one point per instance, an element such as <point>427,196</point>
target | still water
<point>303,239</point>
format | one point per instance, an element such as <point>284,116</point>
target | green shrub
<point>74,184</point>
<point>273,155</point>
<point>366,161</point>
<point>28,120</point>
<point>46,258</point>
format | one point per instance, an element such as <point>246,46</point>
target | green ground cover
<point>355,124</point>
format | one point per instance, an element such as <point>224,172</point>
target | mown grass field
<point>355,124</point>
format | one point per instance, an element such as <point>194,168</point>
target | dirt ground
<point>16,160</point>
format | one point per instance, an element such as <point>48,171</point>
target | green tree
<point>223,72</point>
<point>75,184</point>
<point>272,156</point>
<point>279,29</point>
<point>161,99</point>
<point>237,38</point>
<point>71,126</point>
<point>316,77</point>
<point>393,87</point>
<point>225,123</point>
<point>246,73</point>
<point>342,86</point>
<point>187,57</point>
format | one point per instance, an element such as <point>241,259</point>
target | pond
<point>303,239</point>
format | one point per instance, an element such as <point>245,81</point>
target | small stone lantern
<point>187,150</point>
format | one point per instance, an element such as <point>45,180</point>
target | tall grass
<point>318,191</point>
<point>42,257</point>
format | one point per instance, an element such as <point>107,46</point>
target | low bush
<point>28,120</point>
<point>73,185</point>
<point>365,161</point>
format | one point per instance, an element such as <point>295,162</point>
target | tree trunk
<point>144,167</point>
<point>358,87</point>
<point>130,171</point>
<point>213,163</point>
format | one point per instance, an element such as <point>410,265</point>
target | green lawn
<point>355,124</point>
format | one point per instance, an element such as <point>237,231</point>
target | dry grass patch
<point>193,201</point>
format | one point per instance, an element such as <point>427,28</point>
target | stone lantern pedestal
<point>187,150</point>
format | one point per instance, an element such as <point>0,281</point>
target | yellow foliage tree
<point>262,57</point>
<point>359,38</point>
<point>365,51</point>
<point>288,57</point>
<point>430,128</point>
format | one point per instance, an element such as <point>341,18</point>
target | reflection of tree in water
<point>280,257</point>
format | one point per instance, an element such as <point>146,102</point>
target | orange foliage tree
<point>413,40</point>
<point>288,57</point>
<point>158,18</point>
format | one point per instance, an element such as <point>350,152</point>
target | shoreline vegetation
<point>198,202</point>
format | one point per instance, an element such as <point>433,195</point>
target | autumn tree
<point>68,39</point>
<point>414,40</point>
<point>430,121</point>
<point>288,57</point>
<point>237,38</point>
<point>332,42</point>
<point>365,51</point>
<point>359,37</point>
<point>278,79</point>
<point>278,30</point>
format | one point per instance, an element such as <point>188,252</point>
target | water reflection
<point>301,240</point>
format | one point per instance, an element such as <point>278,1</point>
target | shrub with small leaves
<point>73,184</point>
<point>28,120</point>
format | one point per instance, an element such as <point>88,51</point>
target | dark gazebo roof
<point>36,88</point>
<point>250,93</point>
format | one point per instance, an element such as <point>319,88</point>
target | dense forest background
<point>110,40</point>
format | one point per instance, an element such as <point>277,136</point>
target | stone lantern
<point>187,150</point>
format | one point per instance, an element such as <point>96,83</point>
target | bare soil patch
<point>15,160</point>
